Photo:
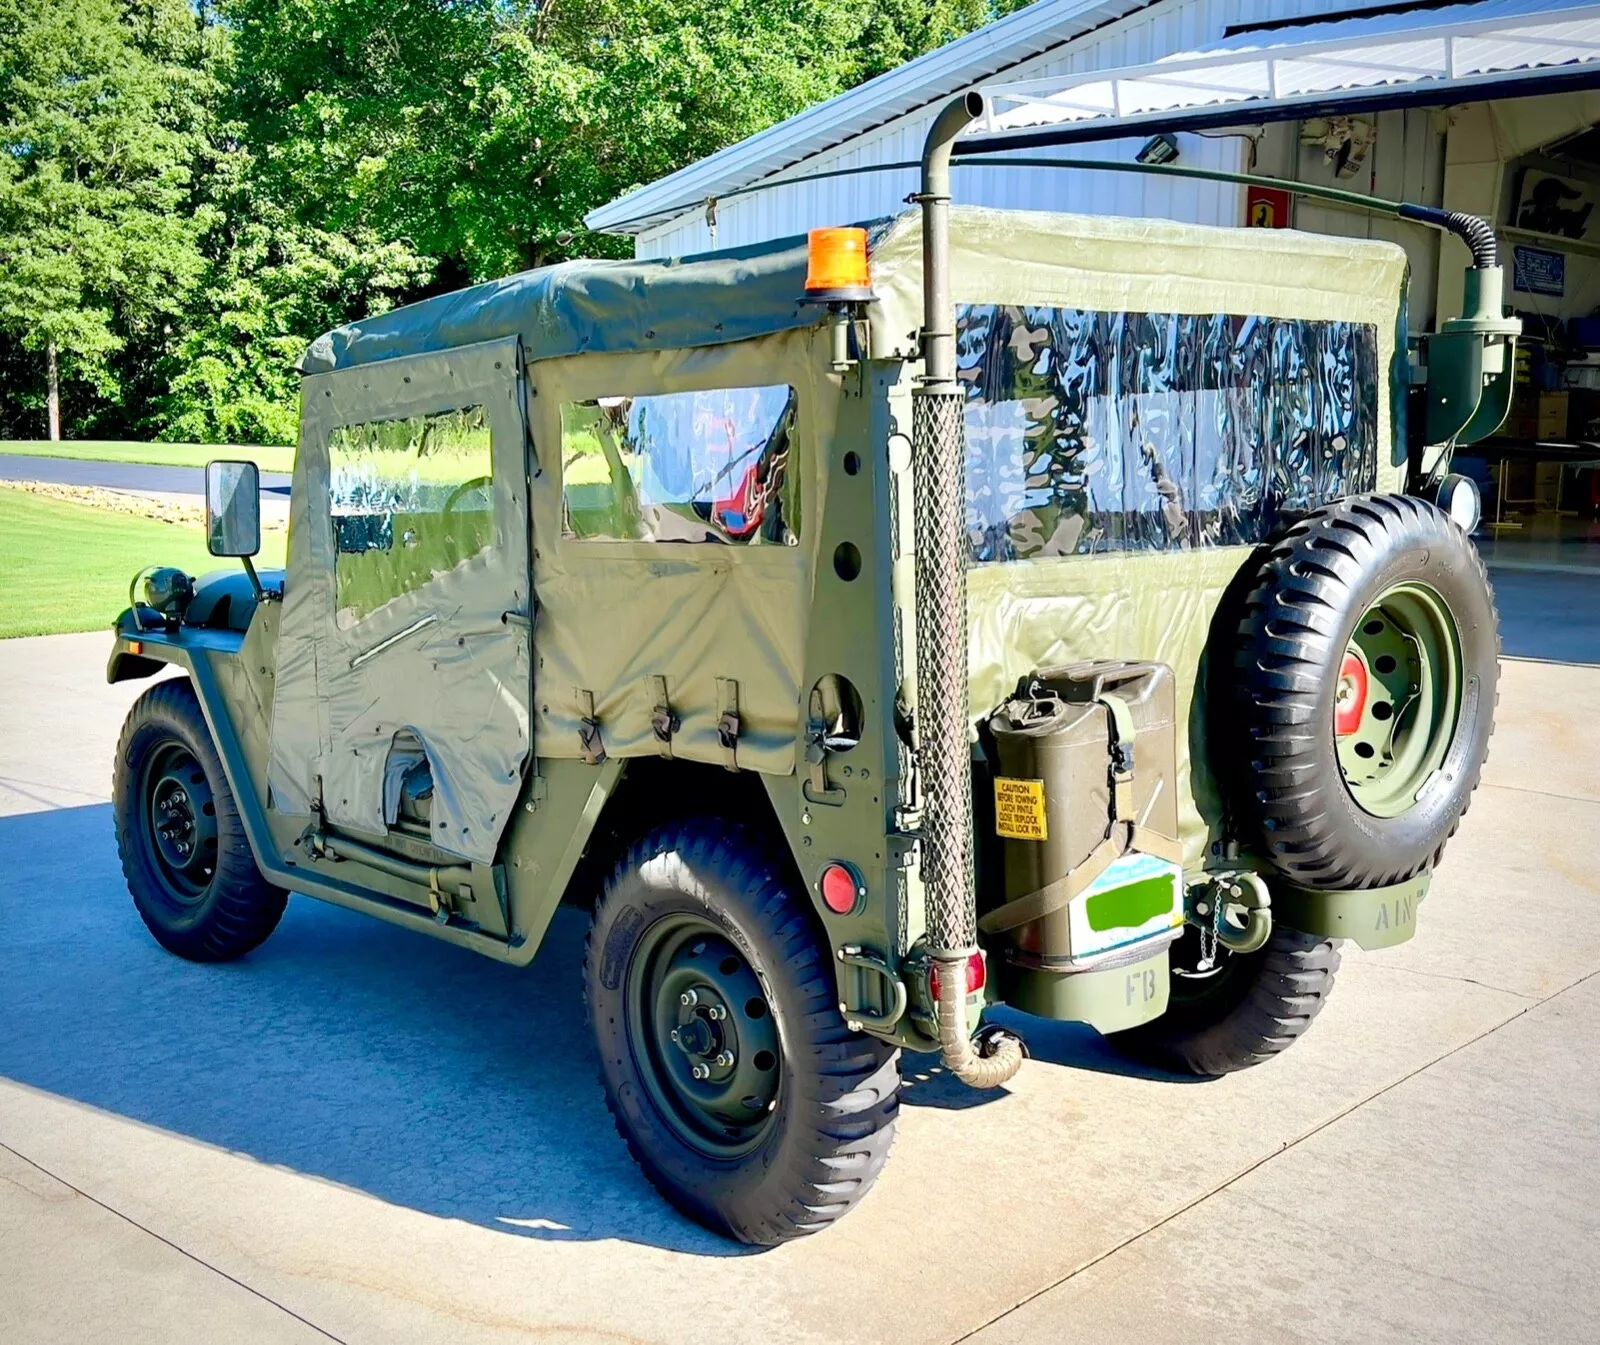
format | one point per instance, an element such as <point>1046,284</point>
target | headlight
<point>168,591</point>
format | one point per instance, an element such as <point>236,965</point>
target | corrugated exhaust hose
<point>1478,234</point>
<point>943,756</point>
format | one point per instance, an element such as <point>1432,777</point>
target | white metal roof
<point>1469,50</point>
<point>938,74</point>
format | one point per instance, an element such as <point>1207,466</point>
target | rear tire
<point>1250,1009</point>
<point>183,848</point>
<point>792,1119</point>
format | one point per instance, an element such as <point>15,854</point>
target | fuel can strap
<point>1123,735</point>
<point>1053,896</point>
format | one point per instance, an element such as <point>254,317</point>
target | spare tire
<point>1367,672</point>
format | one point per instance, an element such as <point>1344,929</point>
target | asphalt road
<point>121,475</point>
<point>359,1134</point>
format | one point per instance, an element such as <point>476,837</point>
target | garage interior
<point>1531,165</point>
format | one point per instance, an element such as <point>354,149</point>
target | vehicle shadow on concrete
<point>926,1083</point>
<point>344,1048</point>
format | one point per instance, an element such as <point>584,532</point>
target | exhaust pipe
<point>944,757</point>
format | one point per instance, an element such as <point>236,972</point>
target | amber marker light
<point>836,266</point>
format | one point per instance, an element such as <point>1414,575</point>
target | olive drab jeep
<point>979,607</point>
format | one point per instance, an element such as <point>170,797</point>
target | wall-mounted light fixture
<point>1158,149</point>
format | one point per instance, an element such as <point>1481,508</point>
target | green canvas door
<point>407,625</point>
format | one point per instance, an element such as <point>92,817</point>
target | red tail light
<point>839,888</point>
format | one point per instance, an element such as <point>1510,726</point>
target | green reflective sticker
<point>1137,897</point>
<point>1130,906</point>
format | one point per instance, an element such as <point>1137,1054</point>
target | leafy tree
<point>270,284</point>
<point>99,118</point>
<point>483,130</point>
<point>189,192</point>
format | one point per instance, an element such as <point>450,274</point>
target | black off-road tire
<point>1315,584</point>
<point>229,909</point>
<point>1260,1005</point>
<point>837,1091</point>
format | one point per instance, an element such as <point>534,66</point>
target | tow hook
<point>1232,909</point>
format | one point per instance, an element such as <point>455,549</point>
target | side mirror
<point>233,508</point>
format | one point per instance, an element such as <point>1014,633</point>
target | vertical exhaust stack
<point>944,757</point>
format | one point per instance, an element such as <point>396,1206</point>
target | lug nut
<point>724,1059</point>
<point>702,1071</point>
<point>716,1013</point>
<point>675,1040</point>
<point>688,999</point>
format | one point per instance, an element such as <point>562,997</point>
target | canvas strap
<point>1053,896</point>
<point>728,721</point>
<point>589,740</point>
<point>664,721</point>
<point>1120,719</point>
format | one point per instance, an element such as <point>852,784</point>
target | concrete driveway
<point>360,1135</point>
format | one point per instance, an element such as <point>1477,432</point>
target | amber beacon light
<point>836,266</point>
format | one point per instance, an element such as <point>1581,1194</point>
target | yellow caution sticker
<point>1019,809</point>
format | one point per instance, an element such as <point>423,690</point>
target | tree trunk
<point>52,377</point>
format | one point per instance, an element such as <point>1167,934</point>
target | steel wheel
<point>703,1036</point>
<point>1399,698</point>
<point>181,821</point>
<point>184,852</point>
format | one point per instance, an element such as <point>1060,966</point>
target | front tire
<point>726,1064</point>
<point>182,844</point>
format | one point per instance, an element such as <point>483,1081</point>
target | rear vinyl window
<point>706,466</point>
<point>1094,432</point>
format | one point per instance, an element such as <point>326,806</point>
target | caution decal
<point>1019,809</point>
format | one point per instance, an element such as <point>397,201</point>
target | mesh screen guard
<point>941,588</point>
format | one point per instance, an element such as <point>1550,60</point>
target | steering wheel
<point>463,488</point>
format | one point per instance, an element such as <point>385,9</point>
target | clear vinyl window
<point>1090,432</point>
<point>705,466</point>
<point>411,500</point>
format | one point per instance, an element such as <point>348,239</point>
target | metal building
<point>1449,150</point>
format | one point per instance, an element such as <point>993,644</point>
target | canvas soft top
<point>593,305</point>
<point>997,256</point>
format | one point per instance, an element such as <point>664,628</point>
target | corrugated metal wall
<point>1163,28</point>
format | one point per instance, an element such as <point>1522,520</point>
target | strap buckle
<point>664,721</point>
<point>728,724</point>
<point>589,740</point>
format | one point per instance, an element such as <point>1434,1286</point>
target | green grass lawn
<point>268,457</point>
<point>66,567</point>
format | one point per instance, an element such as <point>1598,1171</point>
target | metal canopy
<point>1505,48</point>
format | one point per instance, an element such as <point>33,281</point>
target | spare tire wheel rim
<point>1398,699</point>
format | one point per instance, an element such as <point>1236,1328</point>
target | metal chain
<point>1209,938</point>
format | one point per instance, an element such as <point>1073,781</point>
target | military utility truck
<point>977,607</point>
